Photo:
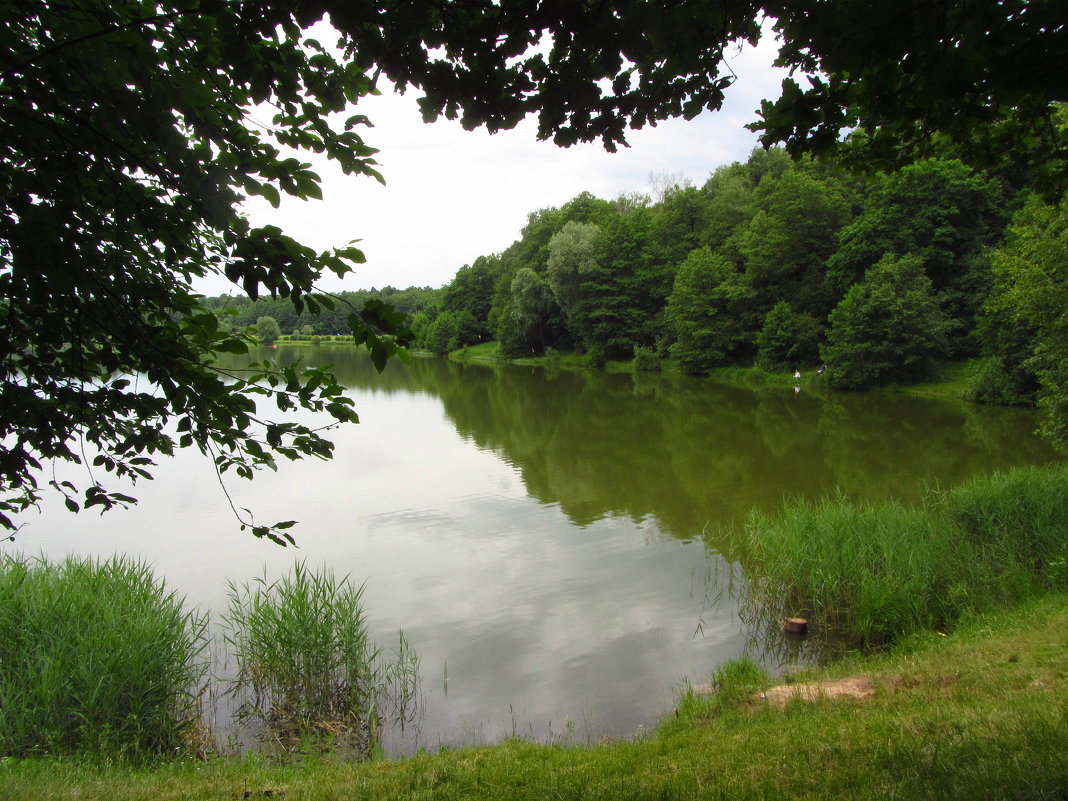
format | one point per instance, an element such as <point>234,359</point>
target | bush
<point>96,656</point>
<point>596,356</point>
<point>887,329</point>
<point>787,340</point>
<point>993,380</point>
<point>646,360</point>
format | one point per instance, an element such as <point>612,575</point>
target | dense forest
<point>775,262</point>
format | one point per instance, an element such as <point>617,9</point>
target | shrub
<point>887,329</point>
<point>596,356</point>
<point>995,380</point>
<point>96,656</point>
<point>646,360</point>
<point>787,339</point>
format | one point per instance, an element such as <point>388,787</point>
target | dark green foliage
<point>611,316</point>
<point>1001,381</point>
<point>991,96</point>
<point>888,328</point>
<point>331,316</point>
<point>96,656</point>
<point>442,335</point>
<point>532,319</point>
<point>788,239</point>
<point>471,290</point>
<point>126,154</point>
<point>646,360</point>
<point>1025,322</point>
<point>729,191</point>
<point>678,225</point>
<point>709,311</point>
<point>450,331</point>
<point>788,339</point>
<point>941,211</point>
<point>596,356</point>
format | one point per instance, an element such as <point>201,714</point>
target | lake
<point>556,546</point>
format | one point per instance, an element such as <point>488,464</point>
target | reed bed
<point>309,677</point>
<point>867,574</point>
<point>96,656</point>
<point>1019,520</point>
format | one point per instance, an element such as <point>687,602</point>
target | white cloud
<point>452,195</point>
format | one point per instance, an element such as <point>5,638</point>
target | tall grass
<point>1019,520</point>
<point>96,656</point>
<point>870,573</point>
<point>307,671</point>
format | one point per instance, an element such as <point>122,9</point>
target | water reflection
<point>690,453</point>
<point>537,534</point>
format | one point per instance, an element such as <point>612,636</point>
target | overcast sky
<point>452,195</point>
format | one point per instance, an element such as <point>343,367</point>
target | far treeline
<point>779,263</point>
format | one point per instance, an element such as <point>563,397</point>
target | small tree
<point>442,334</point>
<point>532,308</point>
<point>887,328</point>
<point>787,338</point>
<point>572,256</point>
<point>708,309</point>
<point>267,330</point>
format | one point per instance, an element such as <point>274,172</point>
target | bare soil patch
<point>857,687</point>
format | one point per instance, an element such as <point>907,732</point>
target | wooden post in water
<point>796,625</point>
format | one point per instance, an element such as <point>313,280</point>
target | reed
<point>1019,520</point>
<point>308,674</point>
<point>868,574</point>
<point>96,656</point>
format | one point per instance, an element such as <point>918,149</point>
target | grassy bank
<point>980,714</point>
<point>872,573</point>
<point>949,379</point>
<point>968,698</point>
<point>488,352</point>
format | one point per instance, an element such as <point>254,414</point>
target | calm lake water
<point>538,535</point>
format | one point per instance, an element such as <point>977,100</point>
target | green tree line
<point>789,264</point>
<point>239,312</point>
<point>130,139</point>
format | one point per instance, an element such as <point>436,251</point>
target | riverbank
<point>949,379</point>
<point>980,713</point>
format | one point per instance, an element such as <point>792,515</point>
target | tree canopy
<point>130,132</point>
<point>979,76</point>
<point>127,142</point>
